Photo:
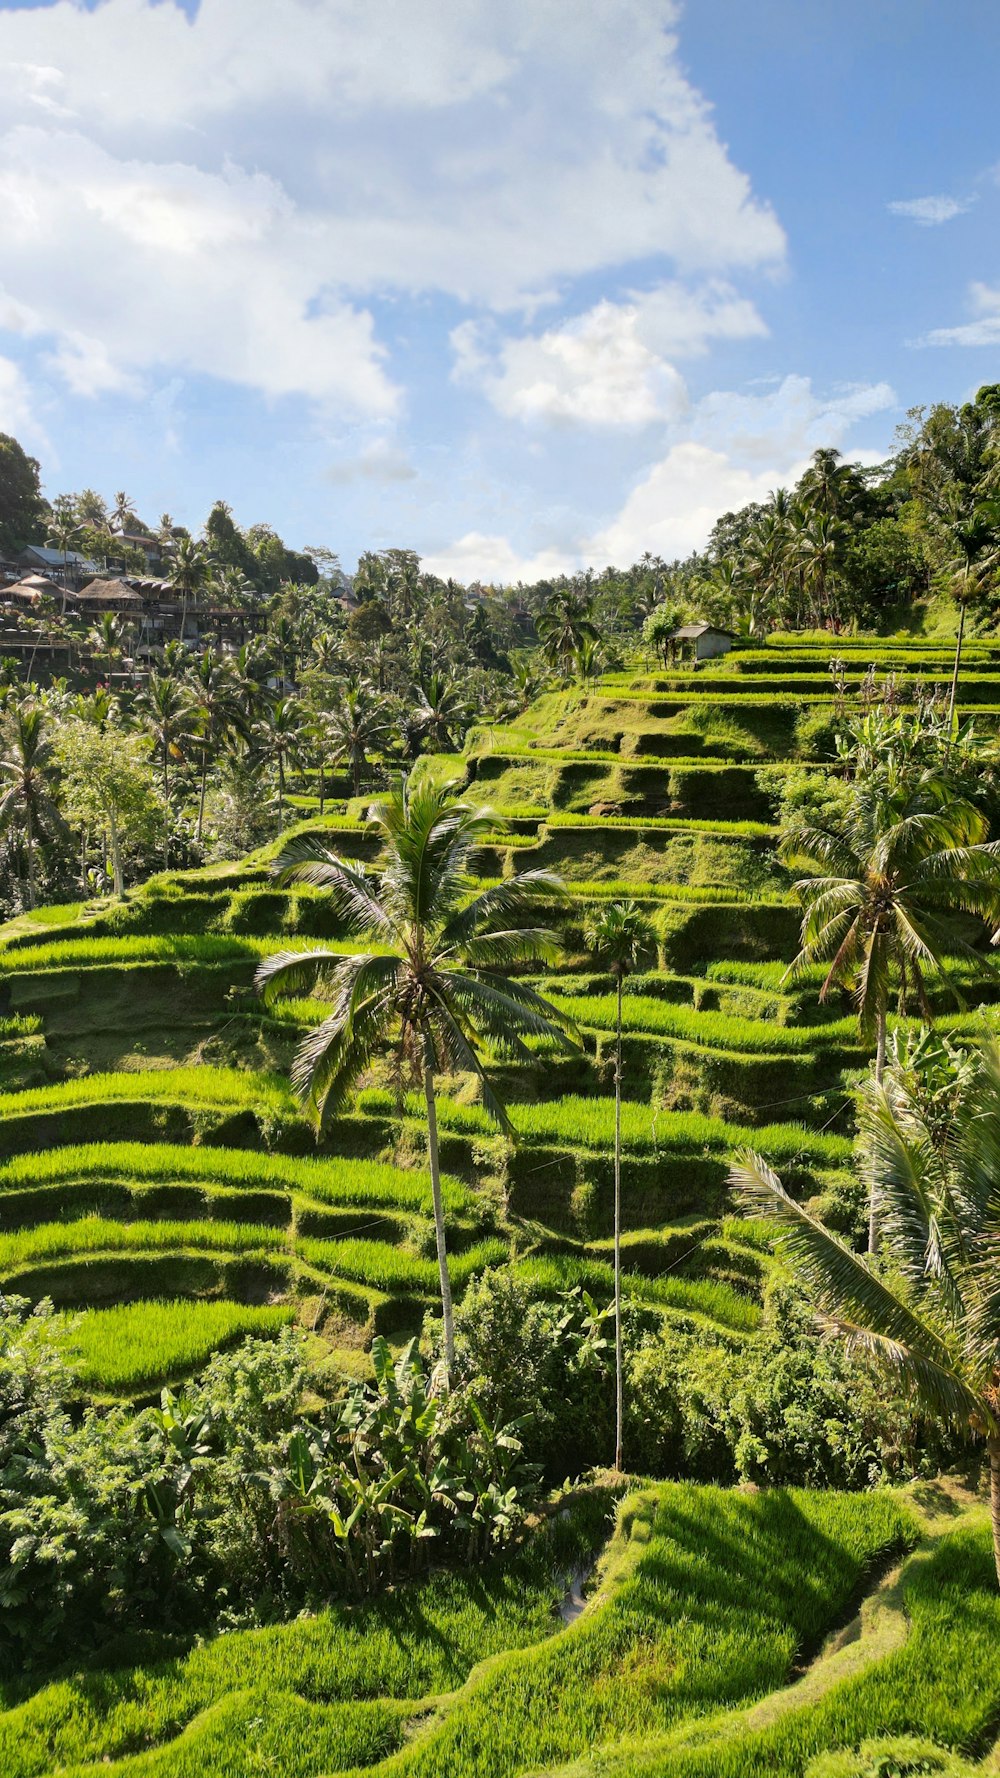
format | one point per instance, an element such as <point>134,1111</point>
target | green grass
<point>715,1596</point>
<point>414,1642</point>
<point>550,1274</point>
<point>361,1183</point>
<point>186,950</point>
<point>202,1086</point>
<point>381,1266</point>
<point>581,1122</point>
<point>645,1013</point>
<point>942,1683</point>
<point>135,1344</point>
<point>98,1234</point>
<point>737,830</point>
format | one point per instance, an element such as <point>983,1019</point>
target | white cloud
<point>787,424</point>
<point>931,212</point>
<point>674,507</point>
<point>984,300</point>
<point>224,195</point>
<point>128,266</point>
<point>608,366</point>
<point>738,448</point>
<point>18,414</point>
<point>379,461</point>
<point>494,561</point>
<point>595,370</point>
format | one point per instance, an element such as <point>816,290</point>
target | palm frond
<point>841,1283</point>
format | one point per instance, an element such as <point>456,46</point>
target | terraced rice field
<point>155,1167</point>
<point>704,1600</point>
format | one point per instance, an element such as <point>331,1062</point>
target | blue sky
<point>521,287</point>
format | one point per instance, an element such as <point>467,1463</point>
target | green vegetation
<point>185,1165</point>
<point>134,1345</point>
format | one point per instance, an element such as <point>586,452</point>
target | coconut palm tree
<point>354,726</point>
<point>106,638</point>
<point>566,621</point>
<point>442,711</point>
<point>123,513</point>
<point>620,936</point>
<point>216,714</point>
<point>932,1319</point>
<point>437,975</point>
<point>282,736</point>
<point>886,882</point>
<point>27,801</point>
<point>168,713</point>
<point>189,573</point>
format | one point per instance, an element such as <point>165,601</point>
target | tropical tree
<point>106,638</point>
<point>354,726</point>
<point>931,1318</point>
<point>107,790</point>
<point>620,936</point>
<point>167,710</point>
<point>27,798</point>
<point>282,738</point>
<point>190,571</point>
<point>437,976</point>
<point>887,878</point>
<point>123,513</point>
<point>63,529</point>
<point>442,711</point>
<point>216,714</point>
<point>566,621</point>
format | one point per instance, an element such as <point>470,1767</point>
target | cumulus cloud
<point>787,423</point>
<point>673,509</point>
<point>223,196</point>
<point>379,461</point>
<point>737,448</point>
<point>493,560</point>
<point>17,410</point>
<point>932,211</point>
<point>983,330</point>
<point>609,366</point>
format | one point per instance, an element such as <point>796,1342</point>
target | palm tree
<point>819,546</point>
<point>123,513</point>
<point>190,572</point>
<point>437,976</point>
<point>886,883</point>
<point>106,637</point>
<point>442,711</point>
<point>619,936</point>
<point>970,570</point>
<point>216,714</point>
<point>932,1321</point>
<point>166,706</point>
<point>566,621</point>
<point>26,774</point>
<point>355,725</point>
<point>62,530</point>
<point>282,736</point>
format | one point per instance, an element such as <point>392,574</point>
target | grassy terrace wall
<point>153,1160</point>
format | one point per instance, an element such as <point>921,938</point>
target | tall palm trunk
<point>439,1235</point>
<point>993,1448</point>
<point>116,854</point>
<point>29,857</point>
<point>281,788</point>
<point>958,661</point>
<point>619,1364</point>
<point>201,799</point>
<point>879,1071</point>
<point>322,787</point>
